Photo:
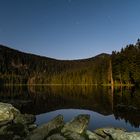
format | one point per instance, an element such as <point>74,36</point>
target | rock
<point>74,136</point>
<point>12,131</point>
<point>17,126</point>
<point>101,131</point>
<point>25,119</point>
<point>93,136</point>
<point>6,137</point>
<point>17,138</point>
<point>42,132</point>
<point>56,137</point>
<point>78,124</point>
<point>13,124</point>
<point>121,135</point>
<point>31,127</point>
<point>17,129</point>
<point>2,129</point>
<point>7,113</point>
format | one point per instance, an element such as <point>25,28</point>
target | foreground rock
<point>7,113</point>
<point>117,134</point>
<point>13,124</point>
<point>94,136</point>
<point>78,124</point>
<point>121,135</point>
<point>17,126</point>
<point>25,119</point>
<point>56,137</point>
<point>43,131</point>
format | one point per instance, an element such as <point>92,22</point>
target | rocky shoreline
<point>17,126</point>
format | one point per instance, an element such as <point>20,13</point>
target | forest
<point>118,68</point>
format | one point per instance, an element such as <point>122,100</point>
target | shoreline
<point>17,126</point>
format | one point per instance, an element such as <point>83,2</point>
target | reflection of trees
<point>131,117</point>
<point>15,95</point>
<point>41,99</point>
<point>57,97</point>
<point>13,92</point>
<point>127,105</point>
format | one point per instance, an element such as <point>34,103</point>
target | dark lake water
<point>118,108</point>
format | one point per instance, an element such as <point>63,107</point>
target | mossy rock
<point>17,129</point>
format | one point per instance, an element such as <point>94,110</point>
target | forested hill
<point>126,65</point>
<point>118,68</point>
<point>22,68</point>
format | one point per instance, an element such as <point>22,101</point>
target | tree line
<point>126,65</point>
<point>121,67</point>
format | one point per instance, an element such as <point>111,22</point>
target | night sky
<point>69,29</point>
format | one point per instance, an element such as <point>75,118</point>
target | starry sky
<point>69,29</point>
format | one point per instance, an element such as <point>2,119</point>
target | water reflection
<point>81,97</point>
<point>129,99</point>
<point>123,105</point>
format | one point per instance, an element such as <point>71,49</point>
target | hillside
<point>119,68</point>
<point>23,68</point>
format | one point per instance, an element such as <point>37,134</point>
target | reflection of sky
<point>96,120</point>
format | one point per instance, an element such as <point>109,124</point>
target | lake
<point>118,108</point>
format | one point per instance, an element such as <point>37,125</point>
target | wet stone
<point>74,136</point>
<point>7,113</point>
<point>56,137</point>
<point>93,136</point>
<point>43,131</point>
<point>121,135</point>
<point>78,124</point>
<point>24,119</point>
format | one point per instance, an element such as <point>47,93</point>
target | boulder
<point>74,136</point>
<point>93,136</point>
<point>17,129</point>
<point>31,127</point>
<point>44,130</point>
<point>13,124</point>
<point>56,137</point>
<point>7,113</point>
<point>25,119</point>
<point>9,131</point>
<point>121,135</point>
<point>101,131</point>
<point>77,125</point>
<point>3,129</point>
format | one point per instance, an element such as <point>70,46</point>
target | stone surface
<point>13,124</point>
<point>24,119</point>
<point>74,136</point>
<point>9,131</point>
<point>101,131</point>
<point>78,124</point>
<point>121,135</point>
<point>31,127</point>
<point>56,137</point>
<point>93,136</point>
<point>17,126</point>
<point>7,113</point>
<point>42,132</point>
<point>17,129</point>
<point>3,129</point>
